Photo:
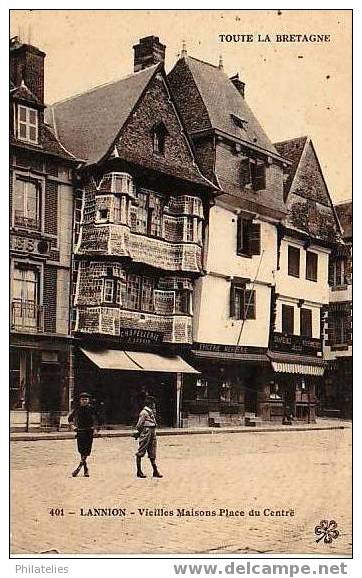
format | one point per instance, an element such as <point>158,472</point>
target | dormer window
<point>253,173</point>
<point>239,122</point>
<point>159,133</point>
<point>27,125</point>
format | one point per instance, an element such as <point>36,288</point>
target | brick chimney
<point>147,52</point>
<point>27,64</point>
<point>239,85</point>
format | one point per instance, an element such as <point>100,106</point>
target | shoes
<point>76,471</point>
<point>157,475</point>
<point>86,472</point>
<point>141,475</point>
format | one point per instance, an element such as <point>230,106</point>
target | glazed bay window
<point>27,124</point>
<point>311,271</point>
<point>248,241</point>
<point>183,302</point>
<point>339,325</point>
<point>112,291</point>
<point>140,293</point>
<point>242,302</point>
<point>27,203</point>
<point>293,261</point>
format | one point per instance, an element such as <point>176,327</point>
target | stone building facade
<point>141,206</point>
<point>41,213</point>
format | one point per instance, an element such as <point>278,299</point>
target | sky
<point>294,89</point>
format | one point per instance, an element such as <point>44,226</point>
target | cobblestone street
<point>308,472</point>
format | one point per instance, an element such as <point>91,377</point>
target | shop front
<point>119,380</point>
<point>295,382</point>
<point>40,371</point>
<point>229,387</point>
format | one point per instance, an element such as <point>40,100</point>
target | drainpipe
<point>178,399</point>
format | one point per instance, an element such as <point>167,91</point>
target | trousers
<point>147,443</point>
<point>85,441</point>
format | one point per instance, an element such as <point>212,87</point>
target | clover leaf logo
<point>327,531</point>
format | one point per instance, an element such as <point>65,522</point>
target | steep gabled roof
<point>226,108</point>
<point>309,204</point>
<point>87,124</point>
<point>344,213</point>
<point>292,150</point>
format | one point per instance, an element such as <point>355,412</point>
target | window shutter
<point>306,322</point>
<point>288,319</point>
<point>330,271</point>
<point>293,261</point>
<point>232,300</point>
<point>245,172</point>
<point>249,304</point>
<point>258,176</point>
<point>254,239</point>
<point>239,235</point>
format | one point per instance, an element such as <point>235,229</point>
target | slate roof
<point>222,100</point>
<point>292,150</point>
<point>87,124</point>
<point>48,144</point>
<point>344,213</point>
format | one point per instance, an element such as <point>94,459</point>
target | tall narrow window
<point>311,272</point>
<point>108,291</point>
<point>159,134</point>
<point>306,322</point>
<point>133,291</point>
<point>288,319</point>
<point>27,124</point>
<point>248,241</point>
<point>147,302</point>
<point>253,172</point>
<point>242,302</point>
<point>293,261</point>
<point>27,203</point>
<point>25,305</point>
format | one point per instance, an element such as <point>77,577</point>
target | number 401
<point>56,512</point>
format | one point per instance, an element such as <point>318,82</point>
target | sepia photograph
<point>180,283</point>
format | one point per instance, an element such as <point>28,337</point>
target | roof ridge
<point>204,62</point>
<point>79,94</point>
<point>290,139</point>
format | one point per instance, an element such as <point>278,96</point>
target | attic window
<point>253,173</point>
<point>239,122</point>
<point>159,133</point>
<point>27,124</point>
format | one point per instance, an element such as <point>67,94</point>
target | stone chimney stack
<point>147,52</point>
<point>239,85</point>
<point>27,64</point>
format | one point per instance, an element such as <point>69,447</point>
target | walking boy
<point>146,433</point>
<point>86,420</point>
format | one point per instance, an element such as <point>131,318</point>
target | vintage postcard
<point>180,303</point>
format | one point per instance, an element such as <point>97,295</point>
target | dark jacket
<point>85,417</point>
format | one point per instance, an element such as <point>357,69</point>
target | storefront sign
<point>295,344</point>
<point>142,336</point>
<point>222,348</point>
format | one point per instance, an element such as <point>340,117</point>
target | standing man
<point>85,419</point>
<point>146,432</point>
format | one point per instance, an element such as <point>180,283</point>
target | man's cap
<point>150,398</point>
<point>84,394</point>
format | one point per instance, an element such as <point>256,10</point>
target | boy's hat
<point>84,394</point>
<point>150,398</point>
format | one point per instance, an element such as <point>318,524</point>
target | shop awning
<point>299,364</point>
<point>138,361</point>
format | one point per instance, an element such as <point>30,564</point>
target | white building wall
<point>212,321</point>
<point>222,256</point>
<point>300,287</point>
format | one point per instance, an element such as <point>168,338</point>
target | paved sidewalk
<point>321,424</point>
